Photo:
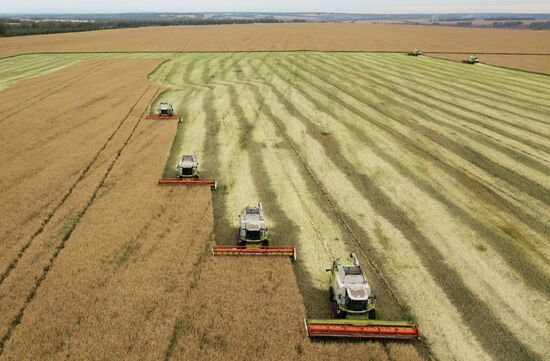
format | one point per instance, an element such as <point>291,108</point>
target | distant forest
<point>540,25</point>
<point>32,24</point>
<point>17,27</point>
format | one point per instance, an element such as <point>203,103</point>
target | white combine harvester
<point>188,174</point>
<point>253,229</point>
<point>188,167</point>
<point>165,111</point>
<point>473,59</point>
<point>254,238</point>
<point>353,308</point>
<point>415,52</point>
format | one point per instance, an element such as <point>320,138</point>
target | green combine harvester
<point>353,308</point>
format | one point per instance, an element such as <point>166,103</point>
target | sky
<point>345,6</point>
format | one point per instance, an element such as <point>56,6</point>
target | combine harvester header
<point>361,329</point>
<point>286,251</point>
<point>189,182</point>
<point>253,238</point>
<point>165,111</point>
<point>353,308</point>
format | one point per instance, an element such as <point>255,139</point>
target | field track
<point>296,37</point>
<point>431,167</point>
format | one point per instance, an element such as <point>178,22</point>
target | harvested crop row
<point>231,120</point>
<point>396,216</point>
<point>434,186</point>
<point>252,162</point>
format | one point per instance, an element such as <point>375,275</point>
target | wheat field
<point>523,47</point>
<point>436,172</point>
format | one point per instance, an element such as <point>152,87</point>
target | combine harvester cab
<point>165,111</point>
<point>353,308</point>
<point>254,238</point>
<point>188,174</point>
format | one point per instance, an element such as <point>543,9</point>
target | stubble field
<point>437,172</point>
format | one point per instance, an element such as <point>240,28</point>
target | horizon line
<point>274,12</point>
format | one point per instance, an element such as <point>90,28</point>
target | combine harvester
<point>473,59</point>
<point>415,52</point>
<point>188,174</point>
<point>165,111</point>
<point>254,238</point>
<point>353,308</point>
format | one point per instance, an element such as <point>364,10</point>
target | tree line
<point>11,27</point>
<point>540,25</point>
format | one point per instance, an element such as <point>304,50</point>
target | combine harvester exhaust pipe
<point>376,329</point>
